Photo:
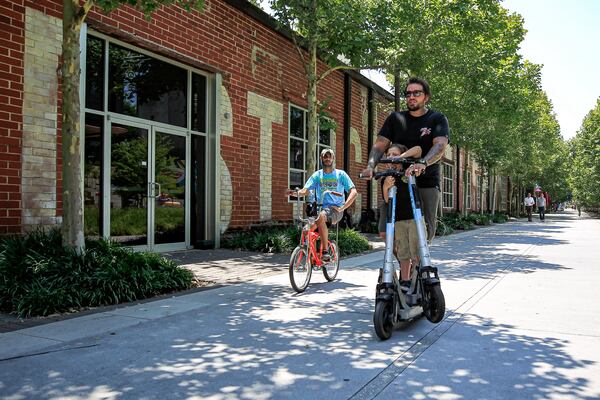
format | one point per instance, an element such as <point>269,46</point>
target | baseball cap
<point>325,151</point>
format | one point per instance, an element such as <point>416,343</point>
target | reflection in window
<point>297,119</point>
<point>92,175</point>
<point>198,103</point>
<point>129,185</point>
<point>145,87</point>
<point>169,165</point>
<point>94,74</point>
<point>198,192</point>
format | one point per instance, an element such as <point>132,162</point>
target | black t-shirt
<point>403,128</point>
<point>403,207</point>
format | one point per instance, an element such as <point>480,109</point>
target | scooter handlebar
<point>388,172</point>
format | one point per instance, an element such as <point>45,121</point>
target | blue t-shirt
<point>337,180</point>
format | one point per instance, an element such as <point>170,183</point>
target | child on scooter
<point>405,229</point>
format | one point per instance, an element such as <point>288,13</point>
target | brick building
<point>193,123</point>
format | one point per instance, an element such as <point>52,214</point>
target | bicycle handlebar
<point>320,204</point>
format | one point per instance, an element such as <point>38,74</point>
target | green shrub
<point>457,221</point>
<point>352,242</point>
<point>284,239</point>
<point>499,218</point>
<point>480,219</point>
<point>443,229</point>
<point>39,276</point>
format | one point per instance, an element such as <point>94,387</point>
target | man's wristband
<point>424,162</point>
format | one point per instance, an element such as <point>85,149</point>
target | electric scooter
<point>394,304</point>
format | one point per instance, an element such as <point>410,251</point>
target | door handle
<point>151,189</point>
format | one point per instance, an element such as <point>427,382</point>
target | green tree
<point>345,34</point>
<point>74,14</point>
<point>585,153</point>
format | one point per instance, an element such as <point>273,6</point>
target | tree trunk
<point>72,220</point>
<point>313,109</point>
<point>489,191</point>
<point>465,210</point>
<point>397,89</point>
<point>480,194</point>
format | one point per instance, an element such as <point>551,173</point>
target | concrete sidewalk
<point>211,268</point>
<point>521,323</point>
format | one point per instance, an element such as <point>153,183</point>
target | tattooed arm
<point>380,146</point>
<point>437,150</point>
<point>434,154</point>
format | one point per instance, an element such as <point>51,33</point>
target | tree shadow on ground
<point>480,359</point>
<point>261,342</point>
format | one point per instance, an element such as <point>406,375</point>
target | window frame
<point>447,182</point>
<point>320,146</point>
<point>468,200</point>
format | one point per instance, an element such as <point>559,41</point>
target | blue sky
<point>564,36</point>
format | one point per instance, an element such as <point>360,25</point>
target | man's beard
<point>414,107</point>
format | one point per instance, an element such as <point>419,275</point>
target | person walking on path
<point>541,206</point>
<point>419,126</point>
<point>529,201</point>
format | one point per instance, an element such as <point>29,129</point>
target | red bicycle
<point>306,258</point>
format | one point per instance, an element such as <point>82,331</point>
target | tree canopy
<point>584,173</point>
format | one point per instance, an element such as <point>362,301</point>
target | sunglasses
<point>415,93</point>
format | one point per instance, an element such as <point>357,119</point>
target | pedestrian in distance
<point>418,126</point>
<point>541,206</point>
<point>529,201</point>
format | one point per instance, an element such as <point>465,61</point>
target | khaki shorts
<point>333,217</point>
<point>406,240</point>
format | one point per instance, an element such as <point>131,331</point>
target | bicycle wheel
<point>300,269</point>
<point>382,319</point>
<point>435,303</point>
<point>330,270</point>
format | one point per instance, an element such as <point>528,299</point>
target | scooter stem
<point>388,261</point>
<point>421,232</point>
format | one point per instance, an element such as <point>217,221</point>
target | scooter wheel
<point>435,304</point>
<point>382,319</point>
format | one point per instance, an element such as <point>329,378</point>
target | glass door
<point>129,177</point>
<point>148,186</point>
<point>168,187</point>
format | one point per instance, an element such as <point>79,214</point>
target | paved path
<point>522,322</point>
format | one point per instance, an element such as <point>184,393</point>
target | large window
<point>298,134</point>
<point>143,86</point>
<point>139,109</point>
<point>447,185</point>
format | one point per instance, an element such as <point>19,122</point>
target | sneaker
<point>326,257</point>
<point>405,285</point>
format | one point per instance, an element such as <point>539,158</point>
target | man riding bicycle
<point>333,180</point>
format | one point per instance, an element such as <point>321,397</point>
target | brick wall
<point>252,58</point>
<point>12,44</point>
